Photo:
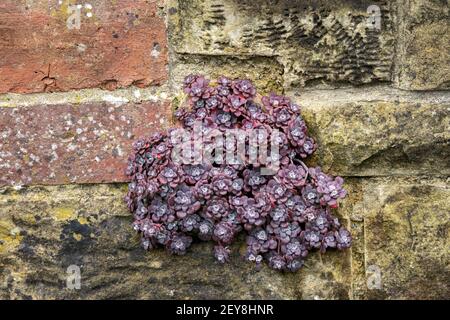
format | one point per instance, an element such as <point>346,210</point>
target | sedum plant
<point>285,212</point>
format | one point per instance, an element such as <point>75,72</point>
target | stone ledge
<point>131,94</point>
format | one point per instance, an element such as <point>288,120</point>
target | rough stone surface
<point>401,229</point>
<point>392,146</point>
<point>423,45</point>
<point>118,43</point>
<point>399,225</point>
<point>265,72</point>
<point>44,230</point>
<point>85,143</point>
<point>131,94</point>
<point>316,42</point>
<point>377,136</point>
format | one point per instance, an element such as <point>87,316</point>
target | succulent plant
<point>183,201</point>
<point>293,176</point>
<point>205,229</point>
<point>285,213</point>
<point>250,214</point>
<point>179,243</point>
<point>222,254</point>
<point>216,208</point>
<point>278,192</point>
<point>224,232</point>
<point>222,184</point>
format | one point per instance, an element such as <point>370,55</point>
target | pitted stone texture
<point>316,42</point>
<point>379,137</point>
<point>118,43</point>
<point>404,224</point>
<point>265,72</point>
<point>44,230</point>
<point>423,45</point>
<point>84,143</point>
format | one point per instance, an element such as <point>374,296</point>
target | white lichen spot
<point>97,159</point>
<point>79,131</point>
<point>114,100</point>
<point>35,158</point>
<point>54,156</point>
<point>137,94</point>
<point>163,95</point>
<point>153,98</point>
<point>20,135</point>
<point>15,231</point>
<point>5,134</point>
<point>156,50</point>
<point>81,47</point>
<point>119,151</point>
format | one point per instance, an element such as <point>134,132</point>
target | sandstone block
<point>44,230</point>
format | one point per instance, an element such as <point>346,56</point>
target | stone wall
<point>73,99</point>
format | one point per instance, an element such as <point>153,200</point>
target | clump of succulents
<point>285,214</point>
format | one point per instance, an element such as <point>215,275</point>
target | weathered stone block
<point>55,46</point>
<point>316,42</point>
<point>59,144</point>
<point>265,72</point>
<point>404,224</point>
<point>379,132</point>
<point>44,230</point>
<point>423,49</point>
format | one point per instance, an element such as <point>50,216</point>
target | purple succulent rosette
<point>222,254</point>
<point>285,214</point>
<point>293,176</point>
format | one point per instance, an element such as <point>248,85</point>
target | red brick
<point>123,43</point>
<point>73,143</point>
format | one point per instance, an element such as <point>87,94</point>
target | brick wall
<point>79,84</point>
